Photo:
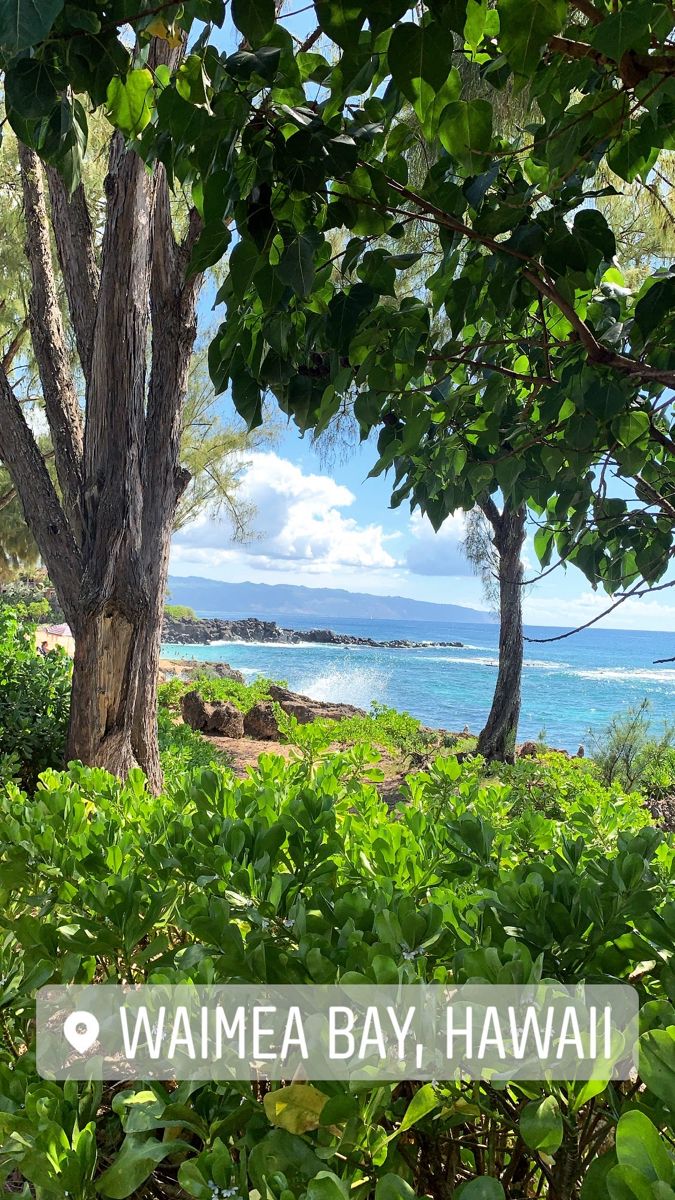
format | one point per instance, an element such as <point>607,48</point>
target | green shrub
<point>627,753</point>
<point>300,873</point>
<point>214,688</point>
<point>34,701</point>
<point>183,750</point>
<point>180,612</point>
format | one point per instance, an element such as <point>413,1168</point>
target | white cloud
<point>431,553</point>
<point>299,522</point>
<point>639,613</point>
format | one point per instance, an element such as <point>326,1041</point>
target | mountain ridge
<point>214,597</point>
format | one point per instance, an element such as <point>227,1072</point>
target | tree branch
<point>39,501</point>
<point>47,334</point>
<point>74,237</point>
<point>116,400</point>
<point>589,10</point>
<point>173,299</point>
<point>14,347</point>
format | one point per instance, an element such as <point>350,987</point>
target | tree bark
<point>497,740</point>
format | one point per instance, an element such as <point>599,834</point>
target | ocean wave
<point>272,645</point>
<point>347,685</point>
<point>628,674</point>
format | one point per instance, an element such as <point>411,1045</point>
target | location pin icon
<point>81,1030</point>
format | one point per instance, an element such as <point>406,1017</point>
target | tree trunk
<point>498,738</point>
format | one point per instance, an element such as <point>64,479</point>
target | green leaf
<point>30,89</point>
<point>474,26</point>
<point>657,1064</point>
<point>594,1186</point>
<point>541,1125</point>
<point>639,1145</point>
<point>296,267</point>
<point>630,427</point>
<point>209,248</point>
<point>465,131</point>
<point>621,31</point>
<point>423,1102</point>
<point>525,25</point>
<point>254,18</point>
<point>420,60</point>
<point>131,101</point>
<point>484,1188</point>
<point>654,305</point>
<point>341,20</point>
<point>625,1183</point>
<point>326,1186</point>
<point>24,23</point>
<point>296,1108</point>
<point>392,1187</point>
<point>134,1164</point>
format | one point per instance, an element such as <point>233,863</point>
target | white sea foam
<point>272,645</point>
<point>628,673</point>
<point>347,685</point>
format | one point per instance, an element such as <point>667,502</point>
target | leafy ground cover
<point>305,876</point>
<point>299,872</point>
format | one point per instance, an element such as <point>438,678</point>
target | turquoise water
<point>568,686</point>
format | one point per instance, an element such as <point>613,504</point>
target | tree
<point>554,380</point>
<point>493,545</point>
<point>103,531</point>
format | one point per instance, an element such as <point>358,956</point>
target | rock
<point>662,809</point>
<point>205,631</point>
<point>528,750</point>
<point>193,710</point>
<point>304,709</point>
<point>580,752</point>
<point>223,719</point>
<point>226,720</point>
<point>260,722</point>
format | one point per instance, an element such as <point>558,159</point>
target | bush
<point>180,612</point>
<point>182,750</point>
<point>626,753</point>
<point>215,688</point>
<point>300,874</point>
<point>34,701</point>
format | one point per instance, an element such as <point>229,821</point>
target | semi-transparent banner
<point>542,1031</point>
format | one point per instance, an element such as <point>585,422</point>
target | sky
<point>320,521</point>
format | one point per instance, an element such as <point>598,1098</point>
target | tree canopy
<point>553,383</point>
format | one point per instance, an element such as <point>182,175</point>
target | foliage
<point>306,876</point>
<point>550,782</point>
<point>383,727</point>
<point>214,688</point>
<point>627,753</point>
<point>556,375</point>
<point>180,612</point>
<point>34,701</point>
<point>182,750</point>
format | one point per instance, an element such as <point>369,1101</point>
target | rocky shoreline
<point>206,630</point>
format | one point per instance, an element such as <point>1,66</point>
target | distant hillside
<point>211,598</point>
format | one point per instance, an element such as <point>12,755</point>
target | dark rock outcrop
<point>304,709</point>
<point>205,631</point>
<point>260,722</point>
<point>222,719</point>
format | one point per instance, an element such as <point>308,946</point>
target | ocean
<point>569,687</point>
